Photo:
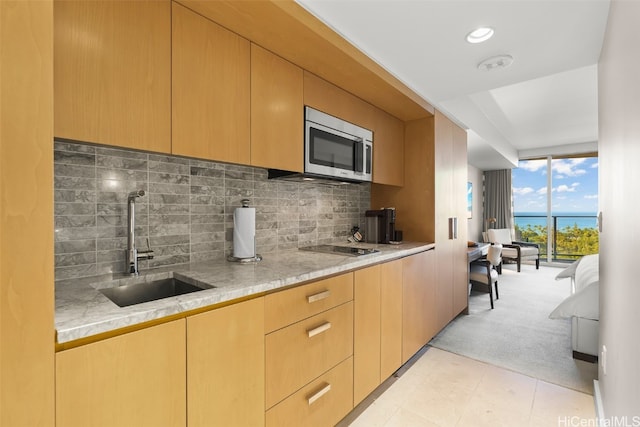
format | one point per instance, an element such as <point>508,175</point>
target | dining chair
<point>484,271</point>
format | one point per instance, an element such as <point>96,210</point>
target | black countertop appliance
<point>380,225</point>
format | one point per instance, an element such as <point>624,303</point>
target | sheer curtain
<point>497,199</point>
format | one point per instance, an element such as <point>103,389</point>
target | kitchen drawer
<point>323,402</point>
<point>301,352</point>
<point>286,307</point>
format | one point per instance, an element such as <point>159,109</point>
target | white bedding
<point>584,300</point>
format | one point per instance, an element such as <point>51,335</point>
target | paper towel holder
<point>257,257</point>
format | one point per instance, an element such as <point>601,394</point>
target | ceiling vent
<point>496,62</point>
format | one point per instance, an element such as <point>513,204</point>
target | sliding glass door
<point>555,203</point>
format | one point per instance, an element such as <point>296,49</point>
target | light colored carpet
<point>518,334</point>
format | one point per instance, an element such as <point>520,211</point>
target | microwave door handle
<point>358,156</point>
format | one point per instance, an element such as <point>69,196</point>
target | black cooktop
<point>340,250</point>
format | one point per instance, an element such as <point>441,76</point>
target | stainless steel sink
<point>138,293</point>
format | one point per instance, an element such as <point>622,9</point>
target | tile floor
<point>443,389</point>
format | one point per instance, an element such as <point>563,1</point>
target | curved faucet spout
<point>135,194</point>
<point>132,253</point>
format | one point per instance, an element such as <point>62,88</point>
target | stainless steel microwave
<point>336,148</point>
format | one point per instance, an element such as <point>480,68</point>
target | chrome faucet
<point>133,255</point>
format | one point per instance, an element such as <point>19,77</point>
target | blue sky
<point>574,185</point>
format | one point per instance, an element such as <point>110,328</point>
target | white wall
<point>474,225</point>
<point>619,154</point>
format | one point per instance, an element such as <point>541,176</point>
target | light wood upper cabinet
<point>225,366</point>
<point>388,149</point>
<point>210,89</point>
<point>136,379</point>
<point>366,332</point>
<point>388,131</point>
<point>277,131</point>
<point>330,99</point>
<point>112,73</point>
<point>419,320</point>
<point>414,202</point>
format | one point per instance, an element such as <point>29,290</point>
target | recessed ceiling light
<point>480,35</point>
<point>495,62</point>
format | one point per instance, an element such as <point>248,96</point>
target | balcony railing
<point>572,236</point>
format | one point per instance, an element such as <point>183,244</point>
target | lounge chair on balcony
<point>511,250</point>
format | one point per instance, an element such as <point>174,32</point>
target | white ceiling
<point>544,103</point>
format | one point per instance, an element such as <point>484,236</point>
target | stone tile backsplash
<point>187,212</point>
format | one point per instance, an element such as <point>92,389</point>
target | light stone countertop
<point>82,311</point>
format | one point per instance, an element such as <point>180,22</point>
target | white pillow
<point>583,303</point>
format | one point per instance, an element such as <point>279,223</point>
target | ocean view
<point>564,219</point>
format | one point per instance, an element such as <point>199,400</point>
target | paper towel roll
<point>244,233</point>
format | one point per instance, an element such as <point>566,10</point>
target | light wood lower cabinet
<point>366,332</point>
<point>137,379</point>
<point>377,326</point>
<point>390,318</point>
<point>302,356</point>
<point>419,310</point>
<point>225,366</point>
<point>321,403</point>
<point>297,354</point>
<point>291,305</point>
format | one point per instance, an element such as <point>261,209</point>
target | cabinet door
<point>297,354</point>
<point>277,113</point>
<point>388,149</point>
<point>225,366</point>
<point>390,318</point>
<point>366,332</point>
<point>210,89</point>
<point>323,402</point>
<point>137,379</point>
<point>445,212</point>
<point>335,101</point>
<point>459,263</point>
<point>112,73</point>
<point>289,306</point>
<point>419,317</point>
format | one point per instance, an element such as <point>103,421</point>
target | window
<point>557,209</point>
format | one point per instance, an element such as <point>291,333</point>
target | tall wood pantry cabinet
<point>450,218</point>
<point>434,193</point>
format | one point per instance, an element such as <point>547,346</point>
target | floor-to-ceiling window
<point>555,203</point>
